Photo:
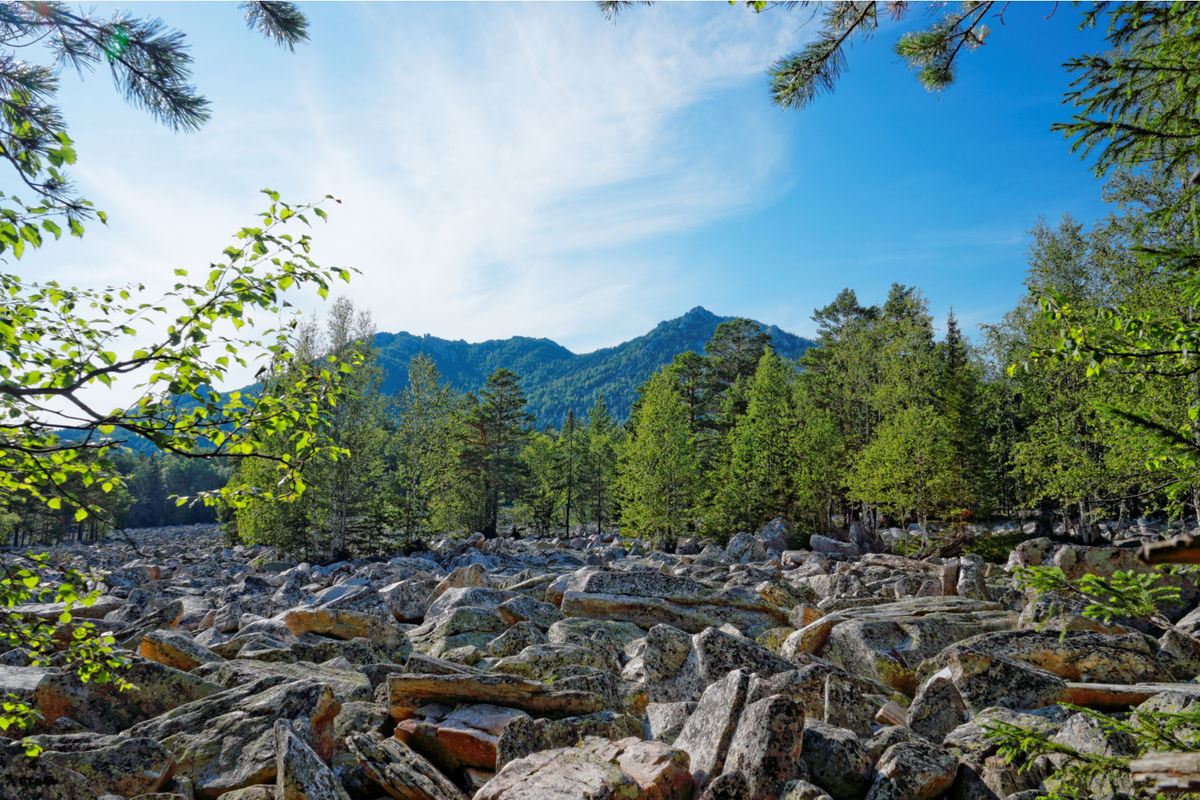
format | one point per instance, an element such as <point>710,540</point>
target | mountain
<point>554,378</point>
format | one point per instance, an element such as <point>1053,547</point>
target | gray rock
<point>669,674</point>
<point>735,785</point>
<point>914,770</point>
<point>227,741</point>
<point>767,743</point>
<point>23,778</point>
<point>123,766</point>
<point>707,733</point>
<point>397,770</point>
<point>515,639</point>
<point>666,720</point>
<point>300,774</point>
<point>836,761</point>
<point>803,790</point>
<point>744,548</point>
<point>938,708</point>
<point>985,680</point>
<point>524,735</point>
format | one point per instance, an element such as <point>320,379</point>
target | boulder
<point>346,682</point>
<point>985,680</point>
<point>227,741</point>
<point>106,708</point>
<point>23,778</point>
<point>709,730</point>
<point>407,693</point>
<point>125,766</point>
<point>407,599</point>
<point>345,624</point>
<point>651,598</point>
<point>767,743</point>
<point>453,739</point>
<point>524,735</point>
<point>398,771</point>
<point>300,774</point>
<point>629,769</point>
<point>836,761</point>
<point>175,649</point>
<point>916,770</point>
<point>938,708</point>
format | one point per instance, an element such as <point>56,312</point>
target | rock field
<point>567,669</point>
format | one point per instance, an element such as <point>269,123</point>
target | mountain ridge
<point>556,379</point>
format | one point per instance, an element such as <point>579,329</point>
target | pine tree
<point>659,466</point>
<point>570,455</point>
<point>598,495</point>
<point>496,429</point>
<point>758,484</point>
<point>424,450</point>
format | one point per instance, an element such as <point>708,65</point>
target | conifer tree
<point>660,466</point>
<point>424,450</point>
<point>496,429</point>
<point>570,453</point>
<point>598,489</point>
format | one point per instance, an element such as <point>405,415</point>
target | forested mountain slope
<point>554,378</point>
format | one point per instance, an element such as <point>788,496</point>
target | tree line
<point>883,421</point>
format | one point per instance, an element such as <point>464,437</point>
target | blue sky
<point>533,169</point>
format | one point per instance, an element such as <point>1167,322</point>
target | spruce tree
<point>660,467</point>
<point>496,429</point>
<point>598,493</point>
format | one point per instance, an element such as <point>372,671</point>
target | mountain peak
<point>701,312</point>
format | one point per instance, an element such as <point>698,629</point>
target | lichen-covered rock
<point>515,639</point>
<point>887,642</point>
<point>666,720</point>
<point>175,649</point>
<point>106,708</point>
<point>669,676</point>
<point>300,774</point>
<point>916,770</point>
<point>397,770</point>
<point>408,599</point>
<point>745,547</point>
<point>651,598</point>
<point>938,708</point>
<point>453,739</point>
<point>124,765</point>
<point>707,733</point>
<point>346,682</point>
<point>23,778</point>
<point>803,790</point>
<point>597,769</point>
<point>607,637</point>
<point>836,761</point>
<point>524,608</point>
<point>227,741</point>
<point>345,624</point>
<point>716,653</point>
<point>1074,656</point>
<point>985,680</point>
<point>735,785</point>
<point>407,693</point>
<point>767,744</point>
<point>547,662</point>
<point>462,626</point>
<point>525,735</point>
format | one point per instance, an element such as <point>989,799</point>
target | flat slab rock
<point>597,769</point>
<point>407,693</point>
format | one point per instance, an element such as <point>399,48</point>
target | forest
<point>882,421</point>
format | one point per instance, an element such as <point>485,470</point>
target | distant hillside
<point>554,378</point>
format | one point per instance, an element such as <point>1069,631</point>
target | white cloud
<point>498,164</point>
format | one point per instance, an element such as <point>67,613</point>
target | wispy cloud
<point>498,163</point>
